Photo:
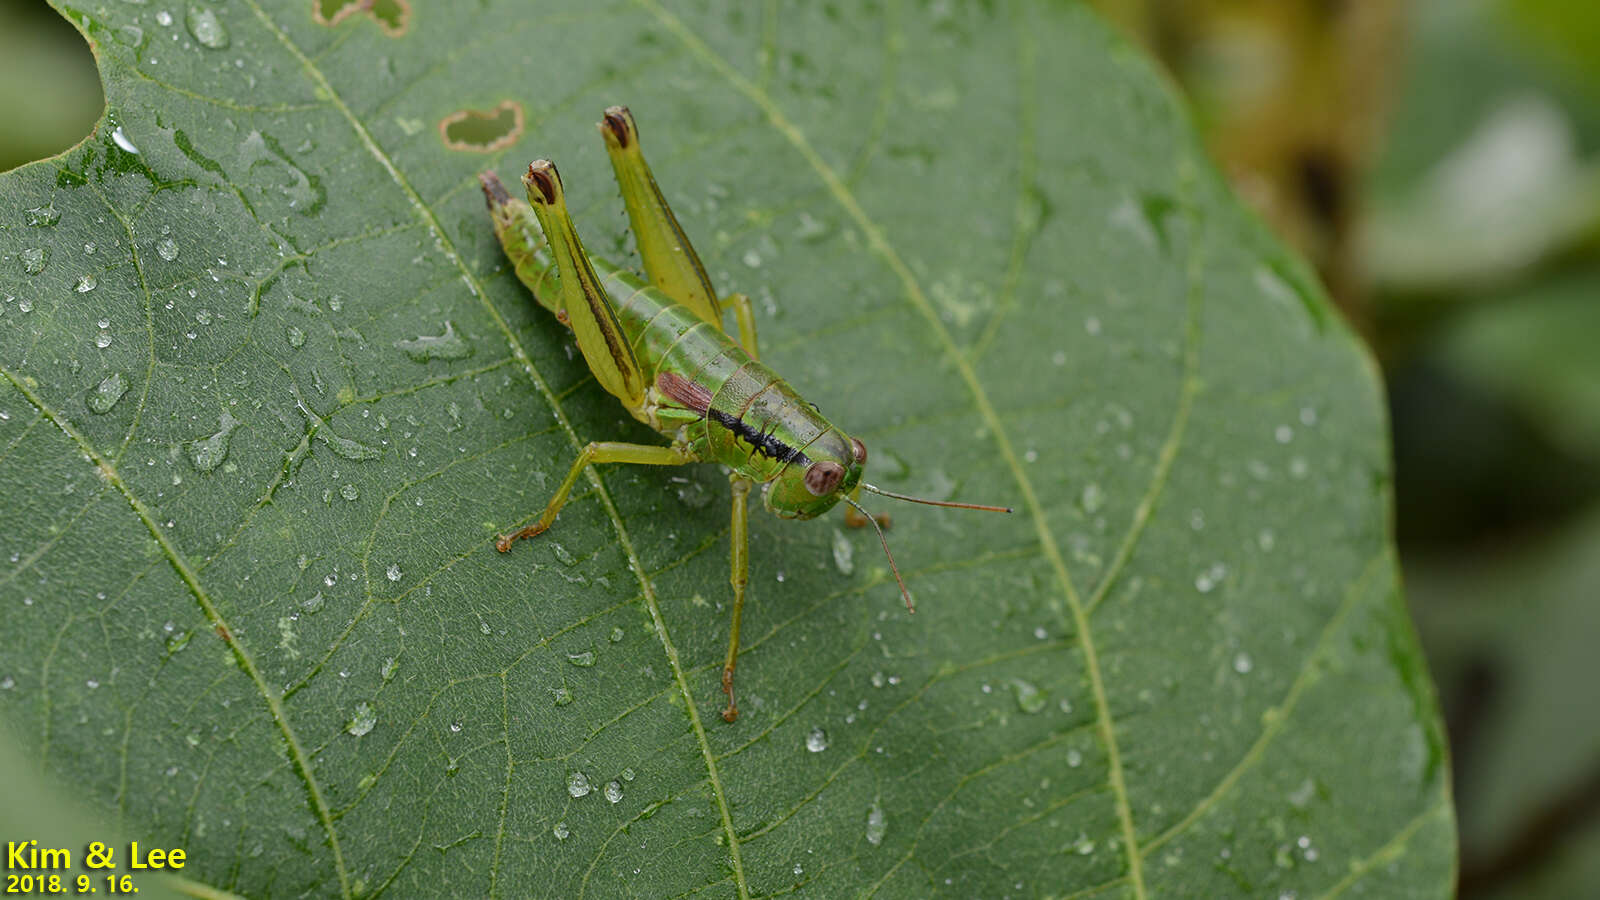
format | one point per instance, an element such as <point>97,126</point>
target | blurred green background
<point>1439,161</point>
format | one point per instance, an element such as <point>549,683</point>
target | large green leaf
<point>252,604</point>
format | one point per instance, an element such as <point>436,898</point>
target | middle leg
<point>596,452</point>
<point>739,557</point>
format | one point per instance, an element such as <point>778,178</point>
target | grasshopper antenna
<point>950,503</point>
<point>885,541</point>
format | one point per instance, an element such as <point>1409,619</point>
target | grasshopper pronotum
<point>660,348</point>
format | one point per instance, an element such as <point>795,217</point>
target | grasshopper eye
<point>823,478</point>
<point>859,450</point>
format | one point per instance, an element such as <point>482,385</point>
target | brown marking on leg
<point>732,712</point>
<point>504,542</point>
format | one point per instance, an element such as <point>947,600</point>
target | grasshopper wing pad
<point>594,321</point>
<point>684,391</point>
<point>668,256</point>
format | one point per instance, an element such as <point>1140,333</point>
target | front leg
<point>596,452</point>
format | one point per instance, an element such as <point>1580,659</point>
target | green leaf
<point>253,604</point>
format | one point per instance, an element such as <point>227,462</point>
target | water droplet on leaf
<point>843,553</point>
<point>206,27</point>
<point>121,139</point>
<point>817,740</point>
<point>207,454</point>
<point>104,396</point>
<point>34,259</point>
<point>877,825</point>
<point>363,721</point>
<point>1029,698</point>
<point>444,346</point>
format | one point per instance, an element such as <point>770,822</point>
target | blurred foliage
<point>1482,243</point>
<point>1440,162</point>
<point>1292,96</point>
<point>1465,240</point>
<point>49,90</point>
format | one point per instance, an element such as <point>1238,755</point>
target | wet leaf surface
<point>267,394</point>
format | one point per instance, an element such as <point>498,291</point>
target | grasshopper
<point>659,346</point>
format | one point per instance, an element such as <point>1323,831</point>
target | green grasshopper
<point>660,348</point>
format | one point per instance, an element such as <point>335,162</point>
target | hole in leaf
<point>392,16</point>
<point>51,73</point>
<point>482,132</point>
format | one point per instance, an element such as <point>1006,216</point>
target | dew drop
<point>295,336</point>
<point>34,259</point>
<point>103,396</point>
<point>1207,580</point>
<point>578,785</point>
<point>350,492</point>
<point>343,446</point>
<point>209,453</point>
<point>562,554</point>
<point>1242,663</point>
<point>393,572</point>
<point>627,774</point>
<point>560,830</point>
<point>443,346</point>
<point>614,791</point>
<point>363,721</point>
<point>167,249</point>
<point>122,139</point>
<point>616,634</point>
<point>582,660</point>
<point>563,696</point>
<point>1283,434</point>
<point>692,494</point>
<point>203,23</point>
<point>877,825</point>
<point>1092,498</point>
<point>313,603</point>
<point>85,283</point>
<point>390,666</point>
<point>7,683</point>
<point>1074,758</point>
<point>455,727</point>
<point>25,304</point>
<point>817,740</point>
<point>843,553</point>
<point>1029,698</point>
<point>102,340</point>
<point>44,216</point>
<point>1083,845</point>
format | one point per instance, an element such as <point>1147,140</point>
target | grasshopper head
<point>808,487</point>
